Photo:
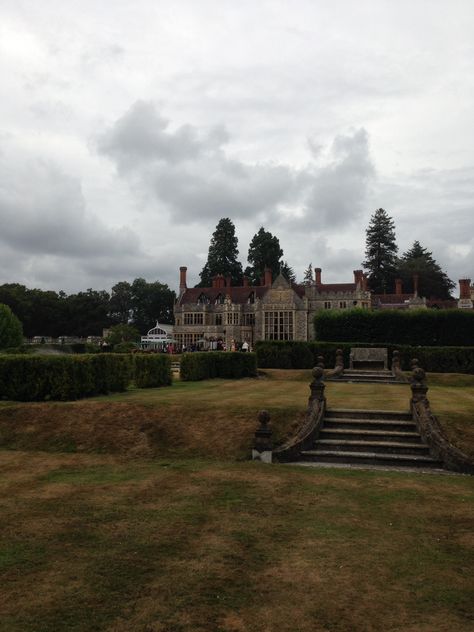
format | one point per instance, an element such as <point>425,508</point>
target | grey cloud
<point>42,211</point>
<point>191,174</point>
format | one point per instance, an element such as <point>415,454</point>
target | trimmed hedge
<point>290,355</point>
<point>211,364</point>
<point>430,327</point>
<point>150,370</point>
<point>68,377</point>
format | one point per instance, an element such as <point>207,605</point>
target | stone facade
<point>275,310</point>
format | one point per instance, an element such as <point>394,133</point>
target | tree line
<point>381,263</point>
<point>49,313</point>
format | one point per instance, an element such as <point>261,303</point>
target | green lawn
<point>138,512</point>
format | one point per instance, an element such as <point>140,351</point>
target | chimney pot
<point>317,273</point>
<point>182,278</point>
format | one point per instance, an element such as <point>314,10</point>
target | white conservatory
<point>160,337</point>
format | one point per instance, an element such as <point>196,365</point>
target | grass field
<point>138,513</point>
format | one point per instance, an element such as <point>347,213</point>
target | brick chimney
<point>317,275</point>
<point>228,281</point>
<point>465,288</point>
<point>220,281</point>
<point>398,287</point>
<point>245,281</point>
<point>268,276</point>
<point>214,281</point>
<point>358,274</point>
<point>182,278</point>
<point>365,282</point>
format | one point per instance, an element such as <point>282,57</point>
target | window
<point>342,304</point>
<point>327,305</point>
<point>233,318</point>
<point>191,318</point>
<point>251,298</point>
<point>219,299</point>
<point>278,325</point>
<point>203,300</point>
<point>218,319</point>
<point>188,339</point>
<point>249,319</point>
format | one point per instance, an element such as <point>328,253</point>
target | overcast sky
<point>128,129</point>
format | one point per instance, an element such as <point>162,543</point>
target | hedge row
<point>28,378</point>
<point>151,370</point>
<point>303,355</point>
<point>427,327</point>
<point>211,364</point>
<point>36,378</point>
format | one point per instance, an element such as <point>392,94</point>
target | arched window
<point>251,298</point>
<point>203,300</point>
<point>219,299</point>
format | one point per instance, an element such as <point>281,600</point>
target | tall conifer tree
<point>380,252</point>
<point>222,255</point>
<point>432,281</point>
<point>308,275</point>
<point>264,251</point>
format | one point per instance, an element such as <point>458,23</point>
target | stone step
<point>379,447</point>
<point>370,458</point>
<point>369,424</point>
<point>357,413</point>
<point>369,435</point>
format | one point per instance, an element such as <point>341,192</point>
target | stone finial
<point>320,360</point>
<point>262,445</point>
<point>418,384</point>
<point>317,386</point>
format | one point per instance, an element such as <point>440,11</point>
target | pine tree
<point>288,271</point>
<point>432,281</point>
<point>380,252</point>
<point>222,255</point>
<point>308,275</point>
<point>264,251</point>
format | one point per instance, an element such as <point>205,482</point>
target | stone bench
<point>366,358</point>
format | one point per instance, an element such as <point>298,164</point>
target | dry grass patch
<point>192,545</point>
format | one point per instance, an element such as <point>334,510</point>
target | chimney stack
<point>415,284</point>
<point>358,279</point>
<point>398,287</point>
<point>214,281</point>
<point>465,288</point>
<point>228,281</point>
<point>245,281</point>
<point>182,278</point>
<point>268,276</point>
<point>317,273</point>
<point>220,281</point>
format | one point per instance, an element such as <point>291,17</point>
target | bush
<point>282,355</point>
<point>124,347</point>
<point>11,330</point>
<point>211,364</point>
<point>68,377</point>
<point>151,370</point>
<point>448,327</point>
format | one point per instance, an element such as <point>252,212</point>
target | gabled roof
<point>237,294</point>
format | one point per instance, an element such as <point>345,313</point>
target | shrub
<point>281,355</point>
<point>448,327</point>
<point>151,370</point>
<point>124,347</point>
<point>36,378</point>
<point>211,364</point>
<point>11,330</point>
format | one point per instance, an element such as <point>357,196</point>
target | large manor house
<point>279,310</point>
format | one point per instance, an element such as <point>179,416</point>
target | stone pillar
<point>415,285</point>
<point>418,385</point>
<point>317,386</point>
<point>262,445</point>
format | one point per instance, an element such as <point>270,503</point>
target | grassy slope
<point>215,418</point>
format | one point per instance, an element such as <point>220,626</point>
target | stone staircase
<point>365,376</point>
<point>370,437</point>
<point>175,366</point>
